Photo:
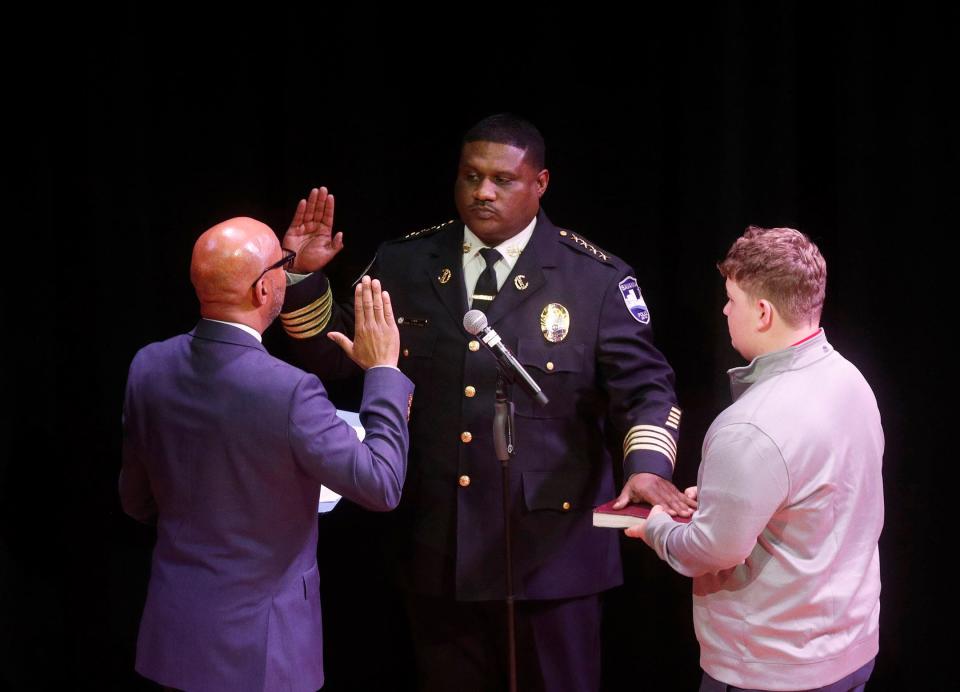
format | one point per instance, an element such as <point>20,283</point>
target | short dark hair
<point>510,129</point>
<point>782,265</point>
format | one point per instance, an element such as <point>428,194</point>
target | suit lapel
<point>445,269</point>
<point>527,277</point>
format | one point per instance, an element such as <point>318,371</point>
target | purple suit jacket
<point>225,447</point>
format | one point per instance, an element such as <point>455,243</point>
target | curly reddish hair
<point>783,266</point>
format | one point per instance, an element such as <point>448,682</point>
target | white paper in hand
<point>328,498</point>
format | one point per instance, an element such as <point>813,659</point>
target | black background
<point>668,131</point>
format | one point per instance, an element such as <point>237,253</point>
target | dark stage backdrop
<point>668,132</point>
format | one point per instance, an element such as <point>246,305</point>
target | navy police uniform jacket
<point>598,367</point>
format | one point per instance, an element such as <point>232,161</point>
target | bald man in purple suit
<point>225,448</point>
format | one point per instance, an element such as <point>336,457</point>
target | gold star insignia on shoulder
<point>571,238</point>
<point>426,231</point>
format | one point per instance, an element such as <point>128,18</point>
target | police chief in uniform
<point>574,316</point>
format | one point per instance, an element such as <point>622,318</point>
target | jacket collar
<point>763,367</point>
<point>526,278</point>
<point>225,333</point>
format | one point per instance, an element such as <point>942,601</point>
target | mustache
<point>483,205</point>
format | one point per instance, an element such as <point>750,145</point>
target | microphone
<point>475,322</point>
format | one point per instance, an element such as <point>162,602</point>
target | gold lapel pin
<point>444,276</point>
<point>520,281</point>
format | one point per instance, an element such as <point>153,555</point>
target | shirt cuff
<point>294,278</point>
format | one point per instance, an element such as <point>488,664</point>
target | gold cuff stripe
<point>319,322</point>
<point>653,448</point>
<point>669,451</point>
<point>299,331</point>
<point>310,320</point>
<point>297,321</point>
<point>671,424</point>
<point>650,431</point>
<point>312,332</point>
<point>320,302</point>
<point>674,409</point>
<point>663,438</point>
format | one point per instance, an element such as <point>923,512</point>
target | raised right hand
<point>311,232</point>
<point>376,339</point>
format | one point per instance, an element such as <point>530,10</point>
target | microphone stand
<point>503,445</point>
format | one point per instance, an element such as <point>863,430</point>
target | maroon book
<point>606,516</point>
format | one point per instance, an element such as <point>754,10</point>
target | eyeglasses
<point>286,261</point>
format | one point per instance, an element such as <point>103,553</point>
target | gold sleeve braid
<point>673,418</point>
<point>309,320</point>
<point>650,437</point>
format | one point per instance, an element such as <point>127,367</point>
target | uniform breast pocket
<point>417,346</point>
<point>561,490</point>
<point>563,372</point>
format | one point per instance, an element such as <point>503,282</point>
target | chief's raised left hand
<point>311,232</point>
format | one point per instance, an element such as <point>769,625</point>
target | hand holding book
<point>651,489</point>
<point>633,514</point>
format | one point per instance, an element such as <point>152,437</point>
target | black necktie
<point>486,288</point>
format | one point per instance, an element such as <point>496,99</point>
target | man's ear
<point>260,292</point>
<point>543,179</point>
<point>764,315</point>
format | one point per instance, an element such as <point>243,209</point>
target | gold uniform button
<point>549,365</point>
<point>464,481</point>
<point>406,351</point>
<point>474,345</point>
<point>469,391</point>
<point>563,233</point>
<point>466,437</point>
<point>566,506</point>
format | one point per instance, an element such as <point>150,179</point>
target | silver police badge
<point>634,300</point>
<point>555,322</point>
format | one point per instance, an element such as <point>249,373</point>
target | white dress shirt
<point>474,264</point>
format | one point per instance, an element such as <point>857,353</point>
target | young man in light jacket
<point>783,546</point>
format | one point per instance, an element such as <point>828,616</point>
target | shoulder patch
<point>423,232</point>
<point>633,299</point>
<point>574,240</point>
